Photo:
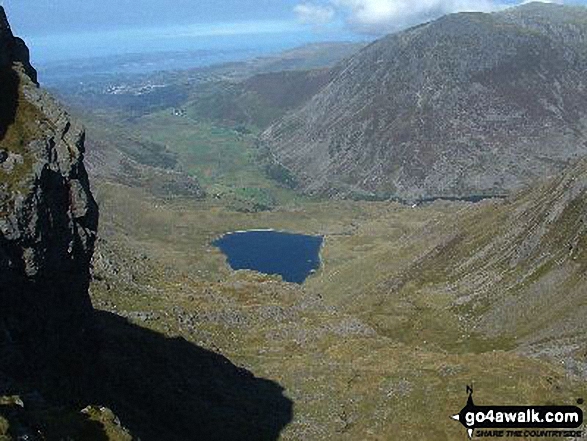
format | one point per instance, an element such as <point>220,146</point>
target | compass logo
<point>468,408</point>
<point>509,418</point>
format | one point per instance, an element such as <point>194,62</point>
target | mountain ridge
<point>64,364</point>
<point>48,217</point>
<point>469,104</point>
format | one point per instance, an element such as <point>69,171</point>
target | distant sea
<point>59,56</point>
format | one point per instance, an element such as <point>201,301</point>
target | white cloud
<point>525,2</point>
<point>314,14</point>
<point>393,14</point>
<point>377,16</point>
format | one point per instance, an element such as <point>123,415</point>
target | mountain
<point>519,269</point>
<point>469,104</point>
<point>242,97</point>
<point>124,159</point>
<point>257,101</point>
<point>147,91</point>
<point>48,217</point>
<point>409,306</point>
<point>411,303</point>
<point>511,272</point>
<point>63,364</point>
<point>48,227</point>
<point>307,57</point>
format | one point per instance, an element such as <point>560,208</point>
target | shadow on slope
<point>160,388</point>
<point>9,83</point>
<point>165,388</point>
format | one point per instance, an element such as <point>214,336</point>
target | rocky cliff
<point>48,217</point>
<point>469,104</point>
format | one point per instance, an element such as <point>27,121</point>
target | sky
<point>61,29</point>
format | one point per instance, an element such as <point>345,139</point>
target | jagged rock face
<point>469,104</point>
<point>48,217</point>
<point>13,49</point>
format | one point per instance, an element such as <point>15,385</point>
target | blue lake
<point>293,256</point>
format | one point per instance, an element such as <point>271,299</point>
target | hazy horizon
<point>57,30</point>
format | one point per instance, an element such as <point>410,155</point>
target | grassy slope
<point>19,125</point>
<point>380,343</point>
<point>223,160</point>
<point>257,101</point>
<point>517,270</point>
<point>348,376</point>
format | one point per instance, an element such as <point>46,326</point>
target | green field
<point>225,161</point>
<point>379,343</point>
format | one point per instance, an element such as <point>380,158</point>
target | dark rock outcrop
<point>13,49</point>
<point>61,361</point>
<point>48,217</point>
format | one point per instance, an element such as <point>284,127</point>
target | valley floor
<point>358,355</point>
<point>410,305</point>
